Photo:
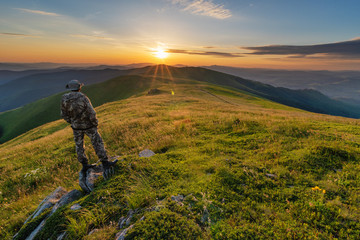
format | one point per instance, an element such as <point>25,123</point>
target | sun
<point>160,52</point>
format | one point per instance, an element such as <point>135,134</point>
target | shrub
<point>165,225</point>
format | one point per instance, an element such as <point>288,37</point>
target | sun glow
<point>160,52</point>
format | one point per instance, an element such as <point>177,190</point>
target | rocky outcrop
<point>146,153</point>
<point>48,202</point>
<point>60,197</point>
<point>87,180</point>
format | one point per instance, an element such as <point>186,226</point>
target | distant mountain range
<point>49,65</point>
<point>341,85</point>
<point>25,90</point>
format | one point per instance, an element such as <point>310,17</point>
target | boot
<point>108,168</point>
<point>87,166</point>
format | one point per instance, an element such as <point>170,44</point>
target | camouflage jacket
<point>77,110</point>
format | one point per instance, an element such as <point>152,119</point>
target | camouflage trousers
<point>96,141</point>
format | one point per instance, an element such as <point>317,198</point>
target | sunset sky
<point>287,34</point>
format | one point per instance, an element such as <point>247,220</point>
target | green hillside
<point>18,121</point>
<point>248,168</point>
<point>15,122</point>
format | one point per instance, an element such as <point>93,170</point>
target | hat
<point>74,85</point>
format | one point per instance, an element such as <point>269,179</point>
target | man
<point>77,110</point>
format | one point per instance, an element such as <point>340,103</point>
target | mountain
<point>27,89</point>
<point>18,121</point>
<point>342,85</point>
<point>39,66</point>
<point>6,75</point>
<point>228,165</point>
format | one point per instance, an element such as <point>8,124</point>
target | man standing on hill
<point>77,110</point>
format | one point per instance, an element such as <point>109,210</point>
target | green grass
<point>18,121</point>
<point>247,168</point>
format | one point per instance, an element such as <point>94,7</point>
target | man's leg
<point>97,143</point>
<point>79,143</point>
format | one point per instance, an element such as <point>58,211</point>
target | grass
<point>248,168</point>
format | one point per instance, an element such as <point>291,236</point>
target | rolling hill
<point>341,85</point>
<point>242,167</point>
<point>18,121</point>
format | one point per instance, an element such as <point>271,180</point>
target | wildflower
<point>316,188</point>
<point>324,191</point>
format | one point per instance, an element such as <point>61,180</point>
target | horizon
<point>280,35</point>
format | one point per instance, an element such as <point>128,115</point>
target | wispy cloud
<point>349,49</point>
<point>218,54</point>
<point>17,34</point>
<point>38,12</point>
<point>91,37</point>
<point>204,7</point>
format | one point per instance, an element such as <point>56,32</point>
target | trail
<point>216,96</point>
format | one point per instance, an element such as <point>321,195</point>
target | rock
<point>206,216</point>
<point>178,198</point>
<point>61,236</point>
<point>154,91</point>
<point>36,231</point>
<point>87,181</point>
<point>146,153</point>
<point>66,199</point>
<point>122,221</point>
<point>270,175</point>
<point>48,202</point>
<point>121,235</point>
<point>75,207</point>
<point>125,221</point>
<point>93,231</point>
<point>58,198</point>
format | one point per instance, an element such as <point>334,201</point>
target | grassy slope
<point>18,121</point>
<point>214,146</point>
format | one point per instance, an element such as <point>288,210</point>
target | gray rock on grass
<point>60,197</point>
<point>146,153</point>
<point>87,181</point>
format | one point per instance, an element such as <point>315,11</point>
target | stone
<point>125,221</point>
<point>146,153</point>
<point>121,235</point>
<point>93,231</point>
<point>205,218</point>
<point>66,199</point>
<point>48,202</point>
<point>61,236</point>
<point>75,207</point>
<point>36,231</point>
<point>270,175</point>
<point>154,91</point>
<point>178,198</point>
<point>122,222</point>
<point>60,197</point>
<point>87,181</point>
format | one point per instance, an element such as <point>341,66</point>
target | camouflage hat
<point>74,85</point>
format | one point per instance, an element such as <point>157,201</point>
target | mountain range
<point>39,107</point>
<point>340,85</point>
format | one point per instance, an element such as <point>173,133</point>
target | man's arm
<point>63,112</point>
<point>91,112</point>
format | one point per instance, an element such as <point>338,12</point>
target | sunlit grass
<point>212,143</point>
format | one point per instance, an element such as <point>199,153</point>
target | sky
<point>282,34</point>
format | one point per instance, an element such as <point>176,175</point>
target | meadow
<point>248,168</point>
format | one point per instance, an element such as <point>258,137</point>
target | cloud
<point>204,8</point>
<point>345,49</point>
<point>17,34</point>
<point>91,37</point>
<point>218,54</point>
<point>38,12</point>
